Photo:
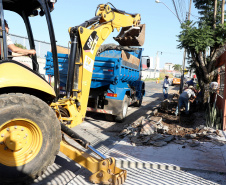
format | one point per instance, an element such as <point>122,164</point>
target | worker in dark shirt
<point>186,96</point>
<point>190,82</point>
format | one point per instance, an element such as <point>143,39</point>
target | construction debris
<point>156,132</point>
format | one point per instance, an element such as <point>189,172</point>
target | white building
<point>153,70</point>
<point>144,61</point>
<point>168,66</point>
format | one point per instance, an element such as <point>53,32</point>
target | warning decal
<point>91,42</point>
<point>88,64</point>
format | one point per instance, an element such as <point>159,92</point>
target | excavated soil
<point>184,125</point>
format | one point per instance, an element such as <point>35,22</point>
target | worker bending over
<point>185,97</point>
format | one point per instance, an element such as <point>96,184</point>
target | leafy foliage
<point>205,8</point>
<point>177,67</point>
<point>20,46</point>
<point>203,41</point>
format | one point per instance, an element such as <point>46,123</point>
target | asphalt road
<point>103,135</point>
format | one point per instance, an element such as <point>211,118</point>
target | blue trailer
<point>116,80</point>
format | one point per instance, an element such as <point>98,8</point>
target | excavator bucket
<point>131,36</point>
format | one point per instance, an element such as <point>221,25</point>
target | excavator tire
<point>30,136</point>
<point>122,115</point>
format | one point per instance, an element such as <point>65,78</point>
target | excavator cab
<point>27,9</point>
<point>30,132</point>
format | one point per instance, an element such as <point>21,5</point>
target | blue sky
<point>162,26</point>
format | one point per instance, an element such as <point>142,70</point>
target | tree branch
<point>203,67</point>
<point>216,55</point>
<point>194,59</point>
<point>204,57</point>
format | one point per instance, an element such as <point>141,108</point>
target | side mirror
<point>148,62</point>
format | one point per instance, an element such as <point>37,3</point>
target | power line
<point>182,8</point>
<point>171,53</point>
<point>176,9</point>
<point>195,16</point>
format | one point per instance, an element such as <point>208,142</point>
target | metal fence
<point>41,47</point>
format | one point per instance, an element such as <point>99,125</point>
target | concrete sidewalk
<point>207,156</point>
<point>168,165</point>
<point>206,161</point>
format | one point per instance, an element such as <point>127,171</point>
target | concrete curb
<point>143,165</point>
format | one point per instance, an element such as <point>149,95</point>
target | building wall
<point>168,66</point>
<point>221,96</point>
<point>144,61</point>
<point>149,74</point>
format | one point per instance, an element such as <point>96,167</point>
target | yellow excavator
<point>33,117</point>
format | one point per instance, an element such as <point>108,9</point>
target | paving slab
<point>207,156</point>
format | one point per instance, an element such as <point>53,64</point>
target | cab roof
<point>22,5</point>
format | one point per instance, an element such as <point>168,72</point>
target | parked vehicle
<point>116,82</point>
<point>176,79</point>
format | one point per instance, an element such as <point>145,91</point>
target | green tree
<point>177,67</point>
<point>204,42</point>
<point>20,46</point>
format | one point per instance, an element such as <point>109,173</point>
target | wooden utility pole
<point>215,14</point>
<point>189,13</point>
<point>156,60</point>
<point>222,12</point>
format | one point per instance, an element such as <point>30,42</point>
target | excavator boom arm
<point>85,41</point>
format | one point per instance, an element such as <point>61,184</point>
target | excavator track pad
<point>131,36</point>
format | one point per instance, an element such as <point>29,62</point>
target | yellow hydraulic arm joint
<point>118,18</point>
<point>104,170</point>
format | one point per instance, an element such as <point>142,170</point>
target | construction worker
<point>166,87</point>
<point>12,48</point>
<point>185,97</point>
<point>190,82</point>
